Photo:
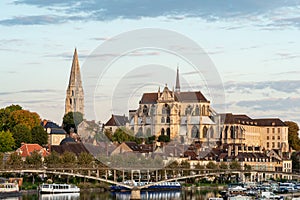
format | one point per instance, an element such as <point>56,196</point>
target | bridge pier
<point>135,194</point>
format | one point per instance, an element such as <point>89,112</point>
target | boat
<point>58,188</point>
<point>9,190</point>
<point>153,186</point>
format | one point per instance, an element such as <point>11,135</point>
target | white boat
<point>9,190</point>
<point>58,188</point>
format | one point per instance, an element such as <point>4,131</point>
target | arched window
<point>148,132</point>
<point>226,132</point>
<point>203,110</point>
<point>70,101</point>
<point>195,132</point>
<point>145,110</point>
<point>168,119</point>
<point>197,111</point>
<point>205,135</point>
<point>231,132</point>
<point>168,109</point>
<point>211,132</point>
<point>152,110</point>
<point>162,132</point>
<point>162,120</point>
<point>207,110</point>
<point>72,93</point>
<point>188,110</point>
<point>168,132</point>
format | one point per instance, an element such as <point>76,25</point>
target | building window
<point>267,144</point>
<point>273,144</point>
<point>168,119</point>
<point>197,111</point>
<point>273,137</point>
<point>278,145</point>
<point>268,130</point>
<point>268,137</point>
<point>195,132</point>
<point>273,130</point>
<point>162,120</point>
<point>162,132</point>
<point>72,93</point>
<point>205,129</point>
<point>70,101</point>
<point>278,130</point>
<point>278,137</point>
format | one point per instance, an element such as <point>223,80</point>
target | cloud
<point>275,104</point>
<point>31,92</point>
<point>210,10</point>
<point>286,86</point>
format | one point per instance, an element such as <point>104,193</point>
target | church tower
<point>74,95</point>
<point>177,86</point>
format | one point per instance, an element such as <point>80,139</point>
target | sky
<point>253,45</point>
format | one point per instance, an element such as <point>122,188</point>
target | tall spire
<point>74,96</point>
<point>177,86</point>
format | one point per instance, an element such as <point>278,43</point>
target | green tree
<point>21,133</point>
<point>68,159</point>
<point>1,160</point>
<point>15,160</point>
<point>85,159</point>
<point>34,160</point>
<point>5,123</point>
<point>235,165</point>
<point>72,120</point>
<point>163,138</point>
<point>293,137</point>
<point>211,165</point>
<point>247,167</point>
<point>223,165</point>
<point>53,160</point>
<point>124,135</point>
<point>39,135</point>
<point>7,141</point>
<point>24,117</point>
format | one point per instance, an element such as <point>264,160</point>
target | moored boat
<point>153,186</point>
<point>58,188</point>
<point>9,190</point>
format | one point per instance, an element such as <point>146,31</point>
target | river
<point>149,195</point>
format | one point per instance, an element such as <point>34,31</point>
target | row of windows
<point>273,130</point>
<point>166,110</point>
<point>273,137</point>
<point>273,145</point>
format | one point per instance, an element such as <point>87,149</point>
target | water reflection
<point>69,196</point>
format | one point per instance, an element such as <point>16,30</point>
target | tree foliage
<point>72,120</point>
<point>5,122</point>
<point>24,117</point>
<point>211,165</point>
<point>163,138</point>
<point>15,160</point>
<point>68,159</point>
<point>34,160</point>
<point>123,135</point>
<point>1,160</point>
<point>53,159</point>
<point>85,159</point>
<point>7,142</point>
<point>235,165</point>
<point>21,133</point>
<point>223,165</point>
<point>39,135</point>
<point>293,137</point>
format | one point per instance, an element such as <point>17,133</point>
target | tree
<point>247,167</point>
<point>24,117</point>
<point>124,135</point>
<point>15,160</point>
<point>85,159</point>
<point>163,138</point>
<point>211,165</point>
<point>39,135</point>
<point>5,114</point>
<point>7,141</point>
<point>21,133</point>
<point>34,160</point>
<point>1,160</point>
<point>293,137</point>
<point>72,120</point>
<point>53,159</point>
<point>223,165</point>
<point>235,165</point>
<point>68,159</point>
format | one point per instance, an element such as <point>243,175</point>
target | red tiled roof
<point>117,120</point>
<point>27,149</point>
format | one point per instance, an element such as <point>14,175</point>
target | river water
<point>149,195</point>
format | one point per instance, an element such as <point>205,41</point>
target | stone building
<point>181,115</point>
<point>74,95</point>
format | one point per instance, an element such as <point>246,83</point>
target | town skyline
<point>255,50</point>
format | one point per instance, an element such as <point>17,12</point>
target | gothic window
<point>168,119</point>
<point>226,132</point>
<point>148,132</point>
<point>70,101</point>
<point>162,132</point>
<point>152,110</point>
<point>197,111</point>
<point>232,132</point>
<point>145,110</point>
<point>211,131</point>
<point>72,93</point>
<point>188,110</point>
<point>168,132</point>
<point>162,120</point>
<point>195,132</point>
<point>203,110</point>
<point>168,109</point>
<point>205,135</point>
<point>207,110</point>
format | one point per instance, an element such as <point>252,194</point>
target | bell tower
<point>74,95</point>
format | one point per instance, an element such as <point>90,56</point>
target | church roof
<point>151,98</point>
<point>75,77</point>
<point>117,120</point>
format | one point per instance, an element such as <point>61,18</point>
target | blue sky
<point>254,45</point>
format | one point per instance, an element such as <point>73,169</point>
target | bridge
<point>159,175</point>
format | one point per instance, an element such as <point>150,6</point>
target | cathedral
<point>74,95</point>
